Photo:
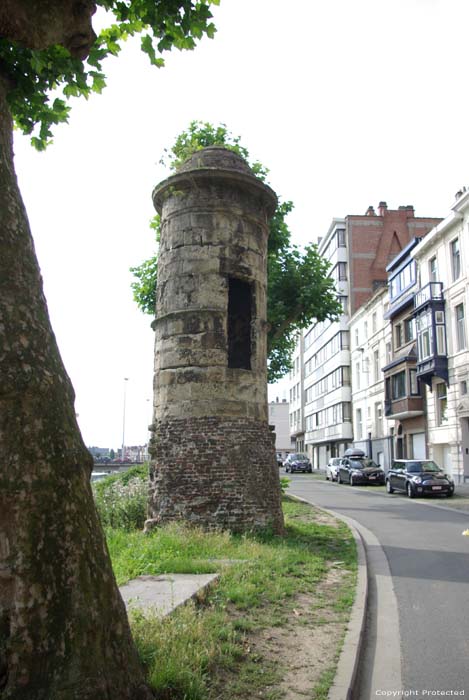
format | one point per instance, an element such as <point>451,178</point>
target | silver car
<point>332,468</point>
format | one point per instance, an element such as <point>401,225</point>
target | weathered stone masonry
<point>213,454</point>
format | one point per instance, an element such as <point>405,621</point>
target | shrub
<point>121,499</point>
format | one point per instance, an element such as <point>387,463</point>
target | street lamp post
<point>126,379</point>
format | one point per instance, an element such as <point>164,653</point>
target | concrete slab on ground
<point>164,593</point>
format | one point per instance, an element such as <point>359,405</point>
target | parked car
<point>296,462</point>
<point>332,468</point>
<point>356,468</point>
<point>418,477</point>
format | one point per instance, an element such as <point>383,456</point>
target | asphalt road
<point>423,580</point>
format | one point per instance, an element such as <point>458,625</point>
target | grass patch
<point>321,689</point>
<point>209,649</point>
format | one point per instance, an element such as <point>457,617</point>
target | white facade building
<point>297,430</point>
<point>279,419</point>
<point>441,309</point>
<point>370,337</point>
<point>327,395</point>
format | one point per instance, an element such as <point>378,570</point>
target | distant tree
<point>64,633</point>
<point>299,288</point>
<point>112,454</point>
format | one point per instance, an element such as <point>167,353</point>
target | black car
<point>418,477</point>
<point>355,468</point>
<point>296,462</point>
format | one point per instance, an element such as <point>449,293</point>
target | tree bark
<point>64,633</point>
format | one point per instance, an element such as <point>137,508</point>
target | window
<point>357,374</point>
<point>343,301</point>
<point>376,365</point>
<point>378,420</point>
<point>388,353</point>
<point>398,335</point>
<point>433,270</point>
<point>463,387</point>
<point>455,259</point>
<point>440,339</point>
<point>341,237</point>
<point>374,322</point>
<point>356,338</point>
<point>239,323</point>
<point>408,330</point>
<point>425,336</point>
<point>346,412</point>
<point>414,385</point>
<point>359,423</point>
<point>338,342</point>
<point>403,279</point>
<point>398,385</point>
<point>460,327</point>
<point>441,403</point>
<point>342,270</point>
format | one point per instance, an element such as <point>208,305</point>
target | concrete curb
<point>347,668</point>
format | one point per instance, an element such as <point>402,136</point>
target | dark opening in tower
<point>239,323</point>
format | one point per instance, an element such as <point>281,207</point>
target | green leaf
<point>36,75</point>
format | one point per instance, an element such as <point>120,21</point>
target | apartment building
<point>296,405</point>
<point>359,248</point>
<point>279,422</point>
<point>370,336</point>
<point>441,309</point>
<point>404,403</point>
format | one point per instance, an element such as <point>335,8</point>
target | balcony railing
<point>433,291</point>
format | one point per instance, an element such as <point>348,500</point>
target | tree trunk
<point>64,633</point>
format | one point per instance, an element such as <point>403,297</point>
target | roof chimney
<point>370,211</point>
<point>382,208</point>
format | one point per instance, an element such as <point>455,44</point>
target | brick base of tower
<point>215,472</point>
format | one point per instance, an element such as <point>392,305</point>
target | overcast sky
<point>347,103</point>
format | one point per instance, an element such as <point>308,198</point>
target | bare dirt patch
<point>302,648</point>
<point>307,646</point>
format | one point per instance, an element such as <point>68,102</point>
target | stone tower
<point>213,455</point>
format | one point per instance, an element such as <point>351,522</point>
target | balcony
<point>429,313</point>
<point>434,366</point>
<point>432,293</point>
<point>403,396</point>
<point>403,408</point>
<point>341,431</point>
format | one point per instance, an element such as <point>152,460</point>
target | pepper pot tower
<point>213,454</point>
